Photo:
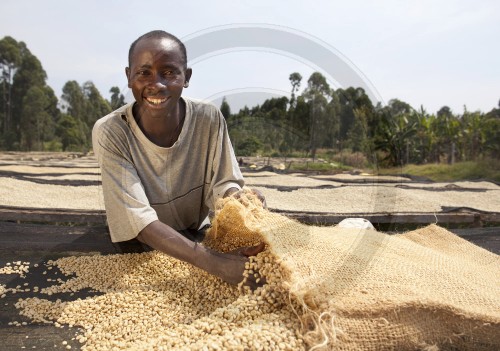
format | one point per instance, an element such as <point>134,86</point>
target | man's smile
<point>156,101</point>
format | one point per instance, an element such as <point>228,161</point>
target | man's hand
<point>227,266</point>
<point>237,194</point>
<point>231,265</point>
<point>249,250</point>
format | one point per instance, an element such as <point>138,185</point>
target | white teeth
<point>156,101</point>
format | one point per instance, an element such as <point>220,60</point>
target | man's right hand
<point>230,266</point>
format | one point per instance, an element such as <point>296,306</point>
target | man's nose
<point>158,82</point>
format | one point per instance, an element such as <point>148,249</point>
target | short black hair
<point>158,34</point>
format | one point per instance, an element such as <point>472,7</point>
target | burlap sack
<point>359,289</point>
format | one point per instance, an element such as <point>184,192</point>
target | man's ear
<point>187,75</point>
<point>127,73</point>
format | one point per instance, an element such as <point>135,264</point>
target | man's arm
<point>228,267</point>
<point>161,237</point>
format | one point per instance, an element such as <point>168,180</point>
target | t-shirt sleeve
<point>127,208</point>
<point>225,169</point>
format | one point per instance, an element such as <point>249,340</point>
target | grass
<point>470,170</point>
<point>318,167</point>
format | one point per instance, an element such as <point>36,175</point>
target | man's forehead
<point>156,47</point>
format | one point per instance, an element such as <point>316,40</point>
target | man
<point>166,159</point>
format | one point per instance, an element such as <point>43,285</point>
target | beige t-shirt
<point>143,182</point>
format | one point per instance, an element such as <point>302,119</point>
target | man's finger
<point>261,197</point>
<point>254,250</point>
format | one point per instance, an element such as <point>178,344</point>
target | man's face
<point>156,76</point>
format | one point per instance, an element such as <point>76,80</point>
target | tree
<point>295,79</point>
<point>447,129</point>
<point>73,100</point>
<point>249,146</point>
<point>425,138</point>
<point>316,95</point>
<point>294,116</point>
<point>275,108</point>
<point>473,135</point>
<point>491,127</point>
<point>10,59</point>
<point>357,137</point>
<point>117,99</point>
<point>72,133</point>
<point>300,120</point>
<point>36,121</point>
<point>95,105</point>
<point>398,107</point>
<point>52,109</point>
<point>394,132</point>
<point>82,105</point>
<point>29,74</point>
<point>23,79</point>
<point>350,100</point>
<point>225,109</point>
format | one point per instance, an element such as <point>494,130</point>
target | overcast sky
<point>425,52</point>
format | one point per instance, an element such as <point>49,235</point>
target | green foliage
<point>84,105</point>
<point>95,105</point>
<point>250,146</point>
<point>274,108</point>
<point>394,133</point>
<point>295,79</point>
<point>72,133</point>
<point>343,121</point>
<point>117,99</point>
<point>10,60</point>
<point>10,52</point>
<point>225,109</point>
<point>73,100</point>
<point>53,145</point>
<point>22,79</point>
<point>491,133</point>
<point>316,95</point>
<point>29,115</point>
<point>35,119</point>
<point>486,169</point>
<point>267,124</point>
<point>318,167</point>
<point>348,101</point>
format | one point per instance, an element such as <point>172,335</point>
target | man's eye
<point>169,73</point>
<point>143,73</point>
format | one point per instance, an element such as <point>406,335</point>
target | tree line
<point>32,118</point>
<point>345,120</point>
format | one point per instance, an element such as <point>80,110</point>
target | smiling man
<point>165,159</point>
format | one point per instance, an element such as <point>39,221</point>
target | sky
<point>427,53</point>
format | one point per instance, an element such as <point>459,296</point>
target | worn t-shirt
<point>143,182</point>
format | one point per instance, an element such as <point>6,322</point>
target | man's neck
<point>162,129</point>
